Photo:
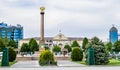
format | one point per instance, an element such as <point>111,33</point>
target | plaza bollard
<point>5,60</point>
<point>91,57</point>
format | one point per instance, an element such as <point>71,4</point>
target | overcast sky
<point>75,18</point>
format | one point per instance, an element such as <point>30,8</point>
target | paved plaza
<point>26,64</point>
<point>62,65</point>
<point>35,64</point>
<point>65,68</point>
<point>67,63</point>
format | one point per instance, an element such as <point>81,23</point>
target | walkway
<point>26,64</point>
<point>66,63</point>
<point>66,68</point>
<point>35,64</point>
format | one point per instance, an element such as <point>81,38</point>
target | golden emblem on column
<point>42,9</point>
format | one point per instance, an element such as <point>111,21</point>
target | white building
<point>60,40</point>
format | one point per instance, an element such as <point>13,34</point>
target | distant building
<point>60,40</point>
<point>113,35</point>
<point>11,32</point>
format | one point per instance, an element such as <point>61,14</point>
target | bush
<point>68,48</point>
<point>46,58</point>
<point>56,49</point>
<point>12,54</point>
<point>77,54</point>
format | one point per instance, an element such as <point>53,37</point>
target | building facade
<point>11,32</point>
<point>60,40</point>
<point>113,35</point>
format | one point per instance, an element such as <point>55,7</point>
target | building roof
<point>113,29</point>
<point>58,37</point>
<point>52,38</point>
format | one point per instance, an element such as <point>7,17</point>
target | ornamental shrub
<point>12,54</point>
<point>47,58</point>
<point>77,54</point>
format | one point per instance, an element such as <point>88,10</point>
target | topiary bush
<point>12,54</point>
<point>47,58</point>
<point>77,54</point>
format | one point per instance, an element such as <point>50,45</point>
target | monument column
<point>42,25</point>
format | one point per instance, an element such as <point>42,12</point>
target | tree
<point>12,43</point>
<point>24,48</point>
<point>85,42</point>
<point>5,40</point>
<point>109,46</point>
<point>12,54</point>
<point>75,44</point>
<point>116,46</point>
<point>68,48</point>
<point>33,45</point>
<point>47,48</point>
<point>77,54</point>
<point>56,49</point>
<point>98,46</point>
<point>2,45</point>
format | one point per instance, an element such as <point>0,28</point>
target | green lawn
<point>113,62</point>
<point>81,62</point>
<point>10,63</point>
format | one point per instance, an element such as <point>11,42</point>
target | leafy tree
<point>85,42</point>
<point>101,55</point>
<point>75,44</point>
<point>5,40</point>
<point>68,47</point>
<point>109,46</point>
<point>116,46</point>
<point>33,45</point>
<point>56,49</point>
<point>24,48</point>
<point>12,54</point>
<point>77,54</point>
<point>2,45</point>
<point>12,43</point>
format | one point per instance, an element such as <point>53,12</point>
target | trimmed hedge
<point>77,54</point>
<point>12,54</point>
<point>47,58</point>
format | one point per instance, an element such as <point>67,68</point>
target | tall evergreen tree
<point>85,42</point>
<point>24,48</point>
<point>101,55</point>
<point>2,45</point>
<point>75,44</point>
<point>33,45</point>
